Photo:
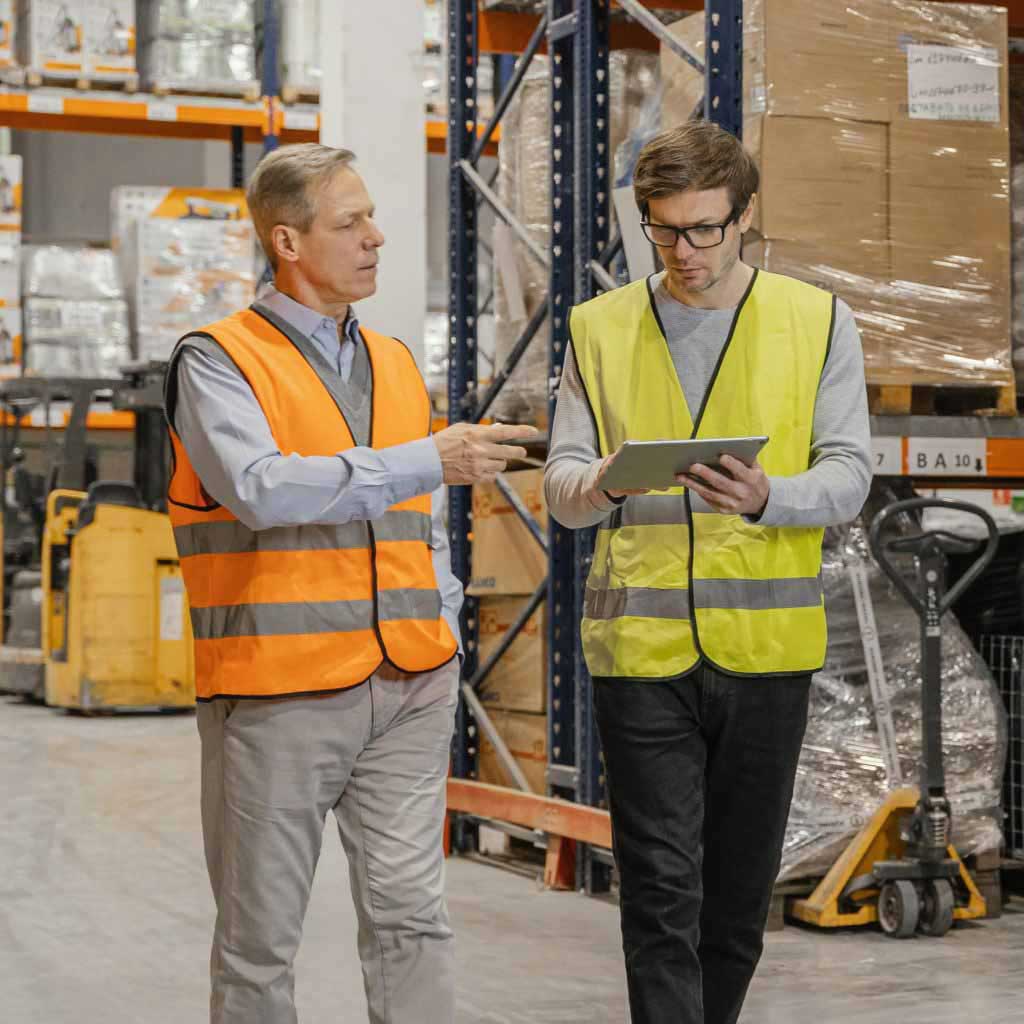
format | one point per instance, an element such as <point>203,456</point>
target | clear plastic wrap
<point>72,38</point>
<point>71,272</point>
<point>189,273</point>
<point>76,321</point>
<point>881,132</point>
<point>841,779</point>
<point>199,44</point>
<point>435,357</point>
<point>76,338</point>
<point>49,37</point>
<point>1017,218</point>
<point>524,177</point>
<point>301,72</point>
<point>8,34</point>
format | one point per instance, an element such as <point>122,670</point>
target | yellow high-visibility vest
<point>668,586</point>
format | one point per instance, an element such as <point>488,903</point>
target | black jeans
<point>700,777</point>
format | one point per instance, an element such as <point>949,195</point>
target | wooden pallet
<point>35,79</point>
<point>291,94</point>
<point>930,399</point>
<point>249,91</point>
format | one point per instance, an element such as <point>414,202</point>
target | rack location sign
<point>947,456</point>
<point>887,455</point>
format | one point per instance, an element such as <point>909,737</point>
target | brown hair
<point>284,188</point>
<point>695,157</point>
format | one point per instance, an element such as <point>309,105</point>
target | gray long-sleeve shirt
<point>832,491</point>
<point>231,447</point>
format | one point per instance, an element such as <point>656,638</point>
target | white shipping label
<point>161,110</point>
<point>953,83</point>
<point>887,455</point>
<point>302,120</point>
<point>172,608</point>
<point>947,456</point>
<point>42,103</point>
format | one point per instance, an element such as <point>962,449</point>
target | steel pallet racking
<point>578,35</point>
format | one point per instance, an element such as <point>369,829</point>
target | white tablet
<point>653,465</point>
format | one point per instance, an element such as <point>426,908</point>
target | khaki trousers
<point>377,757</point>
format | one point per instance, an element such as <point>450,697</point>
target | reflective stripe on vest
<point>651,603</point>
<point>669,586</point>
<point>234,538</point>
<point>310,608</point>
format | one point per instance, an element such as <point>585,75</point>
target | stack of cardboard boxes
<point>508,565</point>
<point>10,266</point>
<point>76,318</point>
<point>94,39</point>
<point>187,257</point>
<point>881,130</point>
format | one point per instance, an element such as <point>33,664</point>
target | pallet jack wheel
<point>937,908</point>
<point>899,909</point>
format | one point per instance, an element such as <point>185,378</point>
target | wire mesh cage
<point>1005,658</point>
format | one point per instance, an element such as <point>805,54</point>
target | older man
<point>305,505</point>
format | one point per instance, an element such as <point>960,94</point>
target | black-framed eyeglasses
<point>700,236</point>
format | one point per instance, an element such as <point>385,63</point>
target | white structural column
<point>372,103</point>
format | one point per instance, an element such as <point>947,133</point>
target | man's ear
<point>747,217</point>
<point>285,241</point>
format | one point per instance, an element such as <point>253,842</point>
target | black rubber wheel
<point>899,909</point>
<point>937,907</point>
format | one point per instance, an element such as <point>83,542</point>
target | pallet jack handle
<point>931,543</point>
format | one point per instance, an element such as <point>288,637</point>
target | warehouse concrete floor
<point>105,913</point>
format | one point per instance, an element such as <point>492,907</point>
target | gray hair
<point>285,185</point>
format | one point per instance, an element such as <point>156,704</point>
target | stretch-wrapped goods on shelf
<point>76,318</point>
<point>881,133</point>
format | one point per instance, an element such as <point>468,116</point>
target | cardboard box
<point>506,560</point>
<point>526,736</point>
<point>876,61</point>
<point>76,337</point>
<point>518,682</point>
<point>817,58</point>
<point>132,203</point>
<point>803,58</point>
<point>822,180</point>
<point>50,37</point>
<point>10,199</point>
<point>188,273</point>
<point>682,86</point>
<point>8,34</point>
<point>948,61</point>
<point>10,268</point>
<point>10,339</point>
<point>109,38</point>
<point>949,196</point>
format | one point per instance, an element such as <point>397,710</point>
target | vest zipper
<point>701,656</point>
<point>376,596</point>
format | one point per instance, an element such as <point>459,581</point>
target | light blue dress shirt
<point>231,447</point>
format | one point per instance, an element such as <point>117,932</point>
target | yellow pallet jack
<point>901,869</point>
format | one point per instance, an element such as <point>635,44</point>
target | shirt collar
<point>308,321</point>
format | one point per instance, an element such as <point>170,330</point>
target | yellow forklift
<point>95,616</point>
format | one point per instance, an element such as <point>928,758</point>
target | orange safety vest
<point>317,608</point>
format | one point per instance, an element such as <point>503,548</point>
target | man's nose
<point>682,247</point>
